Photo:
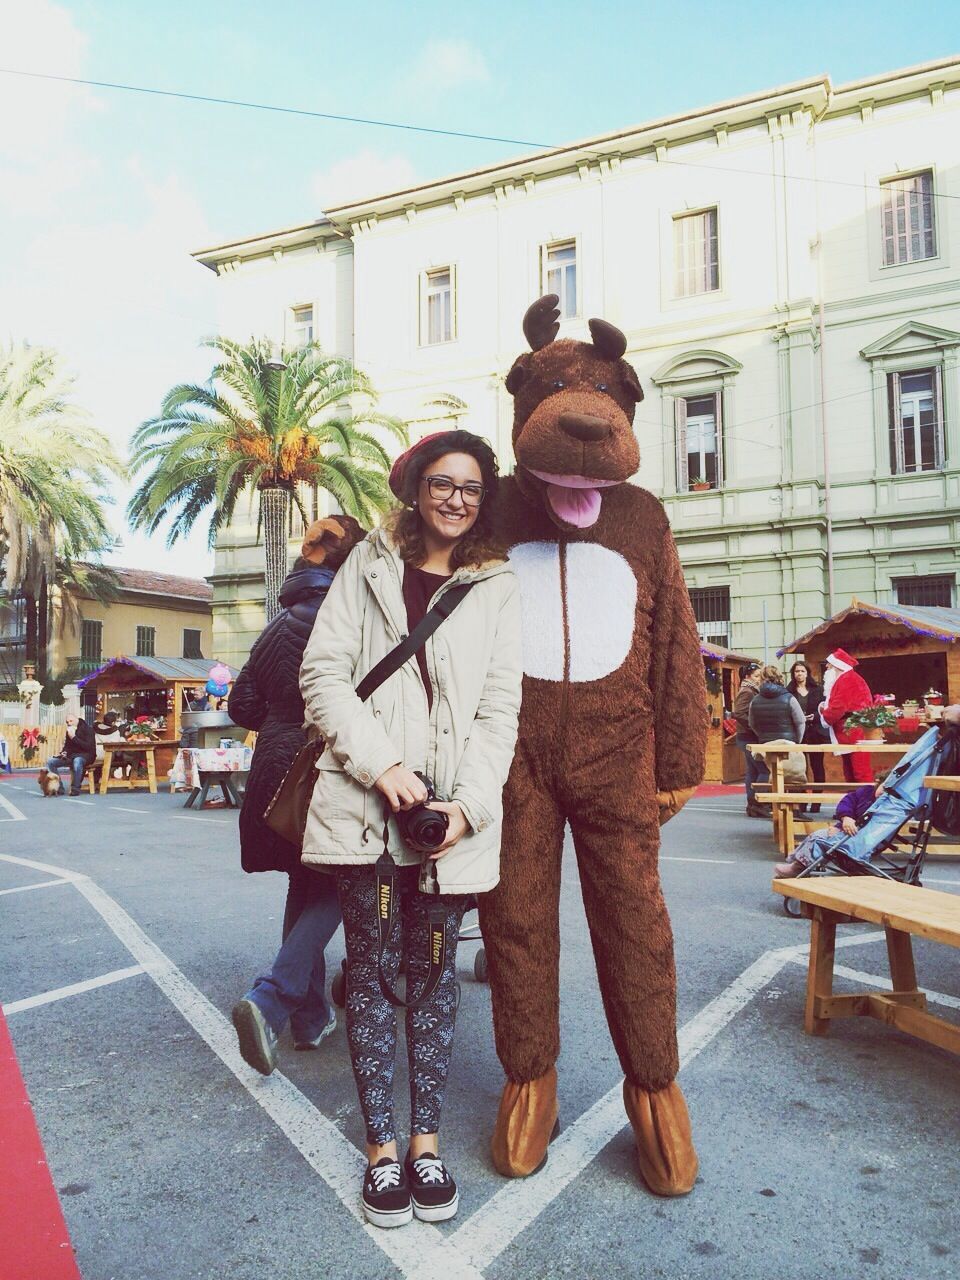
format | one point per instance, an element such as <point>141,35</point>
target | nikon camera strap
<point>387,907</point>
<point>386,867</point>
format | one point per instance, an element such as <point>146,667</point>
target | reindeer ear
<point>607,338</point>
<point>630,381</point>
<point>541,324</point>
<point>517,375</point>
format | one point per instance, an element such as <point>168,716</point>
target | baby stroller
<point>881,847</point>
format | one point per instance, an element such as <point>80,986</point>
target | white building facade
<point>786,268</point>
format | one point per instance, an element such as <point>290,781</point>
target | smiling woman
<point>451,715</point>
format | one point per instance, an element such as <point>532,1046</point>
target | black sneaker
<point>434,1193</point>
<point>386,1196</point>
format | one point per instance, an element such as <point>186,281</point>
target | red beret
<point>398,471</point>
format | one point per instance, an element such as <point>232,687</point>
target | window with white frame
<point>908,219</point>
<point>711,608</point>
<point>438,323</point>
<point>916,420</point>
<point>699,442</point>
<point>146,642</point>
<point>696,248</point>
<point>925,590</point>
<point>301,326</point>
<point>560,275</point>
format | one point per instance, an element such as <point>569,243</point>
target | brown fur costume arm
<point>676,682</point>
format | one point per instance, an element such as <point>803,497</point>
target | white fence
<point>50,717</point>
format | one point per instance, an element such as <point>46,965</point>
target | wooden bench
<point>786,824</point>
<point>902,910</point>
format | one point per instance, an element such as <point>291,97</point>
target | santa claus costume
<point>846,692</point>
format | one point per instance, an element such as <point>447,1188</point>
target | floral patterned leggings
<point>372,1020</point>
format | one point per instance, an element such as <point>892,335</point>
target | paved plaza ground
<point>821,1159</point>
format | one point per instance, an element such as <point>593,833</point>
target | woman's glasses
<point>441,488</point>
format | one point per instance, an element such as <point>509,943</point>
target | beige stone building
<point>155,615</point>
<point>786,268</point>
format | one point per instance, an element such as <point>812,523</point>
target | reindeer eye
<point>602,386</point>
<point>558,385</point>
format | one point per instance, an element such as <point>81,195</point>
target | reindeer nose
<point>584,426</point>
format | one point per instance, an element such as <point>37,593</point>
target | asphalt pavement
<point>821,1158</point>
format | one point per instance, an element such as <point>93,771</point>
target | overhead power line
<point>431,129</point>
<point>268,106</point>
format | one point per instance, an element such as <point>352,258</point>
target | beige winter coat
<point>465,744</point>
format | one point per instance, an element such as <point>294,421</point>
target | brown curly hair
<point>481,544</point>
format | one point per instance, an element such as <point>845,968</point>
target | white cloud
<point>443,65</point>
<point>39,36</point>
<point>365,173</point>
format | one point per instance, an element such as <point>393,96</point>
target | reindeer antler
<point>541,324</point>
<point>608,339</point>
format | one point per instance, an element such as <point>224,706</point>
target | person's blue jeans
<point>78,766</point>
<point>755,769</point>
<point>293,988</point>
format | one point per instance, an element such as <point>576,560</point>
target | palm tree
<point>55,469</point>
<point>264,426</point>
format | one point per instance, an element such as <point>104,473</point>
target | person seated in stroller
<point>871,845</point>
<point>848,818</point>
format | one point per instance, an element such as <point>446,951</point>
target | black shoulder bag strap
<point>410,644</point>
<point>386,867</point>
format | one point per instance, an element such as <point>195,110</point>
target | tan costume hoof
<point>661,1127</point>
<point>526,1122</point>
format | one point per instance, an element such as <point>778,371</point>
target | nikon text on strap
<point>386,911</point>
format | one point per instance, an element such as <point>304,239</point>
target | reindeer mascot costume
<point>612,740</point>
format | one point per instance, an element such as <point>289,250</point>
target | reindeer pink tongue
<point>574,499</point>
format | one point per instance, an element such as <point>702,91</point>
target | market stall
<point>722,677</point>
<point>154,692</point>
<point>911,653</point>
<point>908,655</point>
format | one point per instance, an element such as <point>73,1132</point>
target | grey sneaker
<point>258,1040</point>
<point>317,1041</point>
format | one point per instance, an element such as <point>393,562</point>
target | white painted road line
<point>11,808</point>
<point>120,809</point>
<point>89,804</point>
<point>41,884</point>
<point>190,817</point>
<point>873,980</point>
<point>418,1251</point>
<point>72,876</point>
<point>494,1226</point>
<point>723,862</point>
<point>75,988</point>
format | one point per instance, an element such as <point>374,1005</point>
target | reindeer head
<point>573,416</point>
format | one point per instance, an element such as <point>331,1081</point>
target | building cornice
<point>771,108</point>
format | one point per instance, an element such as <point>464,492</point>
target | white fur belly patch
<point>601,605</point>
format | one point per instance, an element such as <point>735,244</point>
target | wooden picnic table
<point>149,749</point>
<point>937,783</point>
<point>902,910</point>
<point>783,803</point>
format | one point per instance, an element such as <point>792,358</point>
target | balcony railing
<point>77,667</point>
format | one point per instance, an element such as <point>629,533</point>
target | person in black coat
<point>809,694</point>
<point>266,697</point>
<point>78,754</point>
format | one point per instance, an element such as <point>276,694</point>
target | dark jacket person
<point>775,713</point>
<point>266,697</point>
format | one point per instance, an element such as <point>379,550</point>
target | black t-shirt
<point>419,588</point>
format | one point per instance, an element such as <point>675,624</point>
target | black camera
<point>423,829</point>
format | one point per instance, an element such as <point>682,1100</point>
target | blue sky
<point>103,194</point>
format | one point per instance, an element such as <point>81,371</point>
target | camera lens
<point>428,828</point>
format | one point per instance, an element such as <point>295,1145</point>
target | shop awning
<point>934,622</point>
<point>161,670</point>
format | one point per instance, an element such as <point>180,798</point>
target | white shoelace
<point>386,1176</point>
<point>429,1169</point>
